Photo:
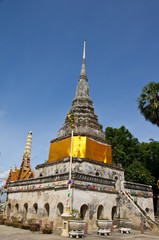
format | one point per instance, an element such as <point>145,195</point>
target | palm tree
<point>148,102</point>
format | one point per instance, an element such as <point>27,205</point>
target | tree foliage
<point>140,160</point>
<point>149,156</point>
<point>124,145</point>
<point>148,102</point>
<point>136,172</point>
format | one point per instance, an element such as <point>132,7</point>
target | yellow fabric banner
<point>83,147</point>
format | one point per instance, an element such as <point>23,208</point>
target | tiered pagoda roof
<point>86,123</point>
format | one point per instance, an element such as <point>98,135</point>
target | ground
<point>10,233</point>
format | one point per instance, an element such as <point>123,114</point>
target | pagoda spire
<point>28,145</point>
<point>83,74</point>
<point>82,107</point>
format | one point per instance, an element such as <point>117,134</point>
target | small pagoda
<point>24,172</point>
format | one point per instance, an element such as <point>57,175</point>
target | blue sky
<point>41,44</point>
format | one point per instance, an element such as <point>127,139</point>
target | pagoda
<point>24,172</point>
<point>95,188</point>
<point>89,138</point>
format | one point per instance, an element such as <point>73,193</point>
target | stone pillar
<point>122,186</point>
<point>65,228</point>
<point>157,212</point>
<point>40,223</point>
<point>142,227</point>
<point>51,225</point>
<point>111,228</point>
<point>86,228</point>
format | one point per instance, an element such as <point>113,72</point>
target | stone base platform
<point>125,230</point>
<point>76,234</point>
<point>104,232</point>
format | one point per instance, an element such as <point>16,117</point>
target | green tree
<point>125,147</point>
<point>148,102</point>
<point>140,160</point>
<point>136,172</point>
<point>149,156</point>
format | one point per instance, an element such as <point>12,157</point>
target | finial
<point>84,50</point>
<point>83,74</point>
<point>72,119</point>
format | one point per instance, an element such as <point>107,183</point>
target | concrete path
<point>10,233</point>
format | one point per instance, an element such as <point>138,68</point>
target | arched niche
<point>84,211</point>
<point>100,212</point>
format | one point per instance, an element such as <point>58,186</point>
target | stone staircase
<point>148,221</point>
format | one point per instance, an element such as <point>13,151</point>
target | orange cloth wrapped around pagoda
<point>83,147</point>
